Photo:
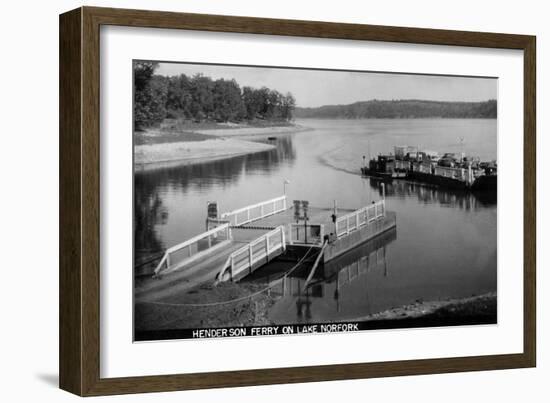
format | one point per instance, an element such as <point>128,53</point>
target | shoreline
<point>164,149</point>
<point>249,312</point>
<point>164,155</point>
<point>475,310</point>
<point>423,309</point>
<point>250,132</point>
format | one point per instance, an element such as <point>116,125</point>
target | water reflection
<point>333,286</point>
<point>153,188</point>
<point>424,194</point>
<point>149,211</point>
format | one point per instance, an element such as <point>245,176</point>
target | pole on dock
<point>334,216</point>
<point>305,206</point>
<point>383,191</point>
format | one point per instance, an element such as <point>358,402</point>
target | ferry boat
<point>452,170</point>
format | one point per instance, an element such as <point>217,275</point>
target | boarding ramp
<point>194,249</point>
<point>253,255</point>
<point>219,238</point>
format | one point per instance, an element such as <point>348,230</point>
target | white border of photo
<point>121,357</point>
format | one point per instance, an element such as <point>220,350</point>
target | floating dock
<point>237,243</point>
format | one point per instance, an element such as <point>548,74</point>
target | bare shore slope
<point>149,156</point>
<point>167,148</point>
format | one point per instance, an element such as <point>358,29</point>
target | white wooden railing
<point>192,249</point>
<point>255,211</point>
<point>358,218</point>
<point>258,250</point>
<point>453,173</point>
<point>423,168</point>
<point>400,164</point>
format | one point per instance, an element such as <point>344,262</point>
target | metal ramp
<point>186,276</point>
<point>220,238</point>
<point>195,249</point>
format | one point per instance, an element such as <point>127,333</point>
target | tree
<point>143,71</point>
<point>228,103</point>
<point>287,106</point>
<point>179,97</point>
<point>200,98</point>
<point>202,93</point>
<point>252,102</point>
<point>149,95</point>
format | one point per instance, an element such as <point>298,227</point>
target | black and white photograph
<point>273,201</point>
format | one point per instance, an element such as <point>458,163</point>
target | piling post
<point>305,229</point>
<point>334,218</point>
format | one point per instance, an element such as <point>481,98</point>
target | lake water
<point>444,245</point>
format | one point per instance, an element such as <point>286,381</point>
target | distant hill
<point>401,109</point>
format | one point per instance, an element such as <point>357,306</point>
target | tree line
<point>200,98</point>
<point>396,109</point>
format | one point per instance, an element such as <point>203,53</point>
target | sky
<point>313,88</point>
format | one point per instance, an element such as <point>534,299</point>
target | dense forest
<point>402,109</point>
<point>199,98</point>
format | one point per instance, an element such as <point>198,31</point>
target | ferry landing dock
<point>239,242</point>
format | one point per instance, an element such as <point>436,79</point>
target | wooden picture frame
<point>79,346</point>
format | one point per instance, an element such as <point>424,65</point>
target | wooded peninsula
<point>402,109</point>
<point>201,99</point>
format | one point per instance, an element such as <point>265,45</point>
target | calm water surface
<point>444,245</point>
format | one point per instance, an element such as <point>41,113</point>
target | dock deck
<point>316,216</point>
